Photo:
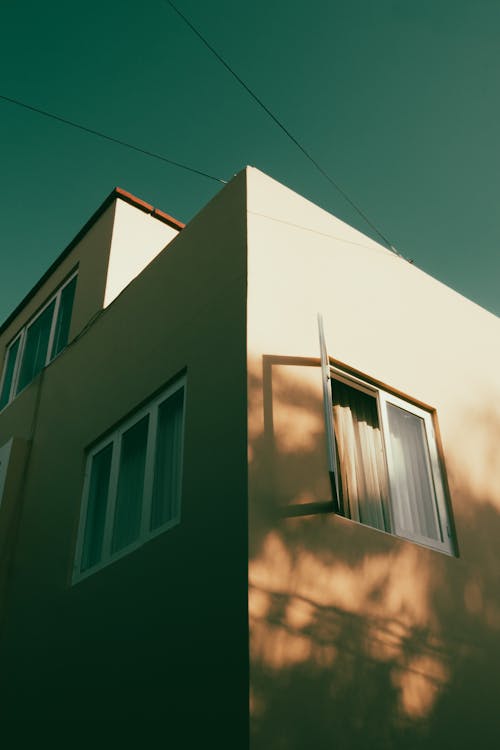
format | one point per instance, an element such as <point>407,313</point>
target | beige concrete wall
<point>90,257</point>
<point>156,643</point>
<point>122,241</point>
<point>115,249</point>
<point>137,239</point>
<point>358,638</point>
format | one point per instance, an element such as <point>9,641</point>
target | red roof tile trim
<point>148,208</point>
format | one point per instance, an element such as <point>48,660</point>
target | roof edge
<point>117,192</point>
<point>147,208</point>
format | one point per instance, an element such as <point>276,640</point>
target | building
<point>249,487</point>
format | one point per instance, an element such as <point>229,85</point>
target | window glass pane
<point>10,365</point>
<point>96,507</point>
<point>4,462</point>
<point>128,507</point>
<point>413,496</point>
<point>362,467</point>
<point>167,477</point>
<point>64,318</point>
<point>35,347</point>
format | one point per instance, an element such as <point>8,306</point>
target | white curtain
<point>363,475</point>
<point>413,502</point>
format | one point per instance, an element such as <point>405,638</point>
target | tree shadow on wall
<point>360,639</point>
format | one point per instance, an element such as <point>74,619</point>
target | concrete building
<point>249,487</point>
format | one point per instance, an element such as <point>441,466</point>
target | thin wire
<point>110,138</point>
<point>283,128</point>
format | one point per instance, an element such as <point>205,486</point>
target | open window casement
<point>327,402</point>
<point>383,458</point>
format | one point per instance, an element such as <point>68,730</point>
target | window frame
<point>114,438</point>
<point>5,451</point>
<point>21,336</point>
<point>435,467</point>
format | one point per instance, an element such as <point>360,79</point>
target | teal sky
<point>397,99</point>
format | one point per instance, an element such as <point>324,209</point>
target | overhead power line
<point>98,133</point>
<point>280,125</point>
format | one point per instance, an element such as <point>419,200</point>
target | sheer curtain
<point>413,495</point>
<point>363,474</point>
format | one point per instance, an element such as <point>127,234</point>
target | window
<point>4,463</point>
<point>132,486</point>
<point>387,467</point>
<point>38,343</point>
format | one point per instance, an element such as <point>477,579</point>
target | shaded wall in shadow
<point>154,644</point>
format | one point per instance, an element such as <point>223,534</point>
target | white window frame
<point>383,398</point>
<point>115,438</point>
<point>21,336</point>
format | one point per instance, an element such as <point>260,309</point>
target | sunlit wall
<point>359,638</point>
